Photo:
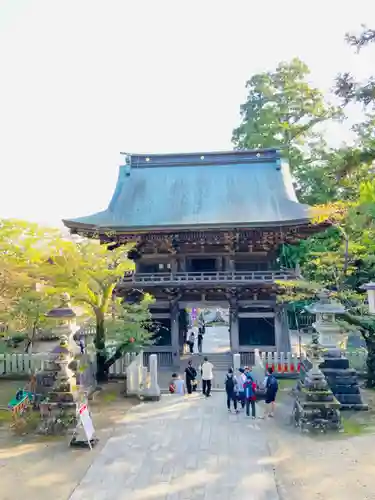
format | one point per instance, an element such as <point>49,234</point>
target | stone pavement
<point>183,448</point>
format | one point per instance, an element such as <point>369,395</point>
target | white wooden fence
<point>21,363</point>
<point>118,369</point>
<point>25,364</point>
<point>281,362</point>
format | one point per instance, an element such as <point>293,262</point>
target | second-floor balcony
<point>217,278</point>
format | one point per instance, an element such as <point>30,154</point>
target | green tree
<point>37,264</point>
<point>24,271</point>
<point>366,326</point>
<point>352,91</point>
<point>129,328</point>
<point>282,110</point>
<point>91,273</point>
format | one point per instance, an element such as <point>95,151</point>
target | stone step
<point>220,361</point>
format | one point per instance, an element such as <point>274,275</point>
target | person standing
<point>272,386</point>
<point>241,378</point>
<point>250,397</point>
<point>191,342</point>
<point>200,339</point>
<point>207,376</point>
<point>190,376</point>
<point>231,388</point>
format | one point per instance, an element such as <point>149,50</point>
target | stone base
<point>151,394</point>
<point>314,417</point>
<point>57,418</point>
<point>151,398</point>
<point>81,443</point>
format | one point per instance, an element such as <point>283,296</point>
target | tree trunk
<point>117,355</point>
<point>101,370</point>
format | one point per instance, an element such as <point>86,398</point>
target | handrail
<point>210,276</point>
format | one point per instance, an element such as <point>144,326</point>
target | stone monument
<point>315,406</point>
<point>342,379</point>
<point>58,405</point>
<point>56,382</point>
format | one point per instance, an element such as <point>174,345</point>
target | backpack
<point>250,388</point>
<point>272,383</point>
<point>230,383</point>
<point>172,388</point>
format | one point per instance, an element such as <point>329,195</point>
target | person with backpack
<point>241,378</point>
<point>272,386</point>
<point>250,397</point>
<point>231,388</point>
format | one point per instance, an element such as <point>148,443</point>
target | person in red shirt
<point>250,398</point>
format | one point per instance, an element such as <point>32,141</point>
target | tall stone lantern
<point>370,289</point>
<point>331,335</point>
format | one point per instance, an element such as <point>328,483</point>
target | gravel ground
<point>323,467</point>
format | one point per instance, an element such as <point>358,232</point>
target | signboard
<point>86,422</point>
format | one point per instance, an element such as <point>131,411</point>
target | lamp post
<point>370,289</point>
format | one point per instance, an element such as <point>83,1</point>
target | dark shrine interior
<point>256,331</point>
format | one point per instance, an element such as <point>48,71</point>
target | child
<point>177,385</point>
<point>231,388</point>
<point>250,388</point>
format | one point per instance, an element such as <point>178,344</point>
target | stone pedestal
<point>343,381</point>
<point>315,406</point>
<point>341,378</point>
<point>152,392</point>
<point>58,405</point>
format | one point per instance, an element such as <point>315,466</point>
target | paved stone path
<point>183,448</point>
<point>216,339</point>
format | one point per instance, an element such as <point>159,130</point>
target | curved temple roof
<point>200,190</point>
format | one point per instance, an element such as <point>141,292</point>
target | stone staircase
<point>221,362</point>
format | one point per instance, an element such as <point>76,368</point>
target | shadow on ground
<point>43,468</point>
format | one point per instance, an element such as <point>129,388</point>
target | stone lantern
<point>331,335</point>
<point>370,289</point>
<point>65,317</point>
<point>327,356</point>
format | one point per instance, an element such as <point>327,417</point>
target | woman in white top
<point>191,342</point>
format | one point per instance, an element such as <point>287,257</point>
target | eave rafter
<point>238,239</point>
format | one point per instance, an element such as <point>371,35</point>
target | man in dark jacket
<point>231,388</point>
<point>190,375</point>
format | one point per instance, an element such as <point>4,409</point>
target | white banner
<point>86,422</point>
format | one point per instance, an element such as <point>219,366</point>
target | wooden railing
<point>207,277</point>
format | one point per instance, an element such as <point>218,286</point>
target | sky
<point>83,80</point>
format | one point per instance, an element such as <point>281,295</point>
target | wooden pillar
<point>219,263</point>
<point>175,332</point>
<point>182,261</point>
<point>233,328</point>
<point>174,266</point>
<point>229,264</point>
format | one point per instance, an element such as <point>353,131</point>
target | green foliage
<point>37,264</point>
<point>283,111</point>
<point>128,328</point>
